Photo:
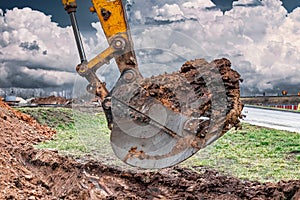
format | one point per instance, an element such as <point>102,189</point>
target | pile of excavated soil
<point>29,173</point>
<point>51,100</point>
<point>18,133</point>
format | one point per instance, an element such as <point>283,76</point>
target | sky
<point>261,38</point>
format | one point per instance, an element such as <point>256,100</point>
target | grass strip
<point>253,153</point>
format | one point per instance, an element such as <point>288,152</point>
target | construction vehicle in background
<point>160,121</point>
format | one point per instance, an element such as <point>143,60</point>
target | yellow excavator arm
<point>114,24</point>
<point>113,21</point>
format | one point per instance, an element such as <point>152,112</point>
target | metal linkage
<point>77,37</point>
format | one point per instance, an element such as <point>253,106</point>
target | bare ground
<point>29,173</point>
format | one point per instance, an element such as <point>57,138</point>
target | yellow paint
<point>298,107</point>
<point>100,58</point>
<point>113,20</point>
<point>116,23</point>
<point>68,2</point>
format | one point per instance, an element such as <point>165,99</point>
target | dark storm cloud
<point>254,3</point>
<point>151,21</point>
<point>35,51</point>
<point>31,46</point>
<point>17,77</point>
<point>24,77</point>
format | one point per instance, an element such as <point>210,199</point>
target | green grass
<point>57,118</point>
<point>252,153</point>
<point>79,134</point>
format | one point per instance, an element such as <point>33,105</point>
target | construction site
<point>171,131</point>
<point>28,172</point>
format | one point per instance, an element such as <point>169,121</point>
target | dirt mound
<point>195,92</point>
<point>19,128</point>
<point>18,132</point>
<point>29,173</point>
<point>51,100</point>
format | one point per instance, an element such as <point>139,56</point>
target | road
<point>281,120</point>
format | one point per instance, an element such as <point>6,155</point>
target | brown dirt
<point>29,173</point>
<point>194,92</point>
<point>51,100</point>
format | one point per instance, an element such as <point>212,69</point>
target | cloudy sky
<point>260,37</point>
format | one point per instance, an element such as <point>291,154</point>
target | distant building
<point>11,100</point>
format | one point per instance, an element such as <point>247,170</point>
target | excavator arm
<point>114,24</point>
<point>113,21</point>
<point>152,126</point>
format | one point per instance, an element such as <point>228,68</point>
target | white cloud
<point>168,12</point>
<point>260,38</point>
<point>34,51</point>
<point>198,4</point>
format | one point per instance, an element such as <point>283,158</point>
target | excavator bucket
<point>160,121</point>
<point>163,120</point>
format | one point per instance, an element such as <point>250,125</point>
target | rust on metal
<point>105,14</point>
